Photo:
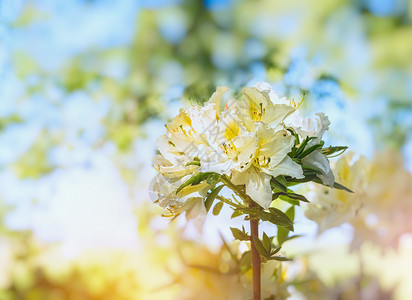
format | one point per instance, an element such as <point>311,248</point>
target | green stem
<point>236,189</point>
<point>227,201</point>
<point>254,233</point>
<point>256,262</point>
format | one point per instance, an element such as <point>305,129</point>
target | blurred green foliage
<point>188,47</point>
<point>185,51</point>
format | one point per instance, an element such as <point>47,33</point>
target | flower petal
<point>273,145</point>
<point>319,161</point>
<point>287,167</point>
<point>258,187</point>
<point>216,98</point>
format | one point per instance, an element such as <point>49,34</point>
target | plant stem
<point>254,233</point>
<point>227,201</point>
<point>361,274</point>
<point>226,181</point>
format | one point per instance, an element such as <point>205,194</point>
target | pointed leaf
<point>332,150</point>
<point>297,197</point>
<point>336,185</point>
<point>236,213</point>
<point>310,150</point>
<point>280,258</point>
<point>196,179</point>
<point>212,196</point>
<point>297,141</point>
<point>282,235</point>
<point>281,179</point>
<point>213,179</point>
<point>246,261</point>
<point>292,198</point>
<point>309,170</point>
<point>302,146</point>
<point>289,200</point>
<point>239,234</point>
<point>291,213</point>
<point>267,243</point>
<point>277,185</point>
<point>339,186</point>
<point>308,177</point>
<point>276,217</point>
<point>274,251</point>
<point>259,246</point>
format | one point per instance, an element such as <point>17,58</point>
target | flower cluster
<point>257,142</point>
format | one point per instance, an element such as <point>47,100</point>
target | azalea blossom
<point>270,159</point>
<point>250,141</point>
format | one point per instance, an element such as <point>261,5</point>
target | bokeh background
<point>86,86</point>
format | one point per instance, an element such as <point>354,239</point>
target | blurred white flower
<point>380,207</point>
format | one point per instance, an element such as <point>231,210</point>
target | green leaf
<point>193,163</point>
<point>302,146</point>
<point>277,217</point>
<point>336,185</point>
<point>196,179</point>
<point>276,195</point>
<point>310,150</point>
<point>246,261</point>
<point>217,208</point>
<point>213,179</point>
<point>279,258</point>
<point>239,234</point>
<point>310,170</point>
<point>308,177</point>
<point>212,196</point>
<point>267,242</point>
<point>339,186</point>
<point>289,200</point>
<point>297,141</point>
<point>282,235</point>
<point>260,248</point>
<point>276,185</point>
<point>281,179</point>
<point>332,150</point>
<point>291,213</point>
<point>293,196</point>
<point>274,251</point>
<point>236,213</point>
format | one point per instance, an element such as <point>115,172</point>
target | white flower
<point>319,161</point>
<point>270,159</point>
<point>379,209</point>
<point>331,208</point>
<point>234,146</point>
<point>307,127</point>
<point>258,107</point>
<point>173,172</point>
<point>247,141</point>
